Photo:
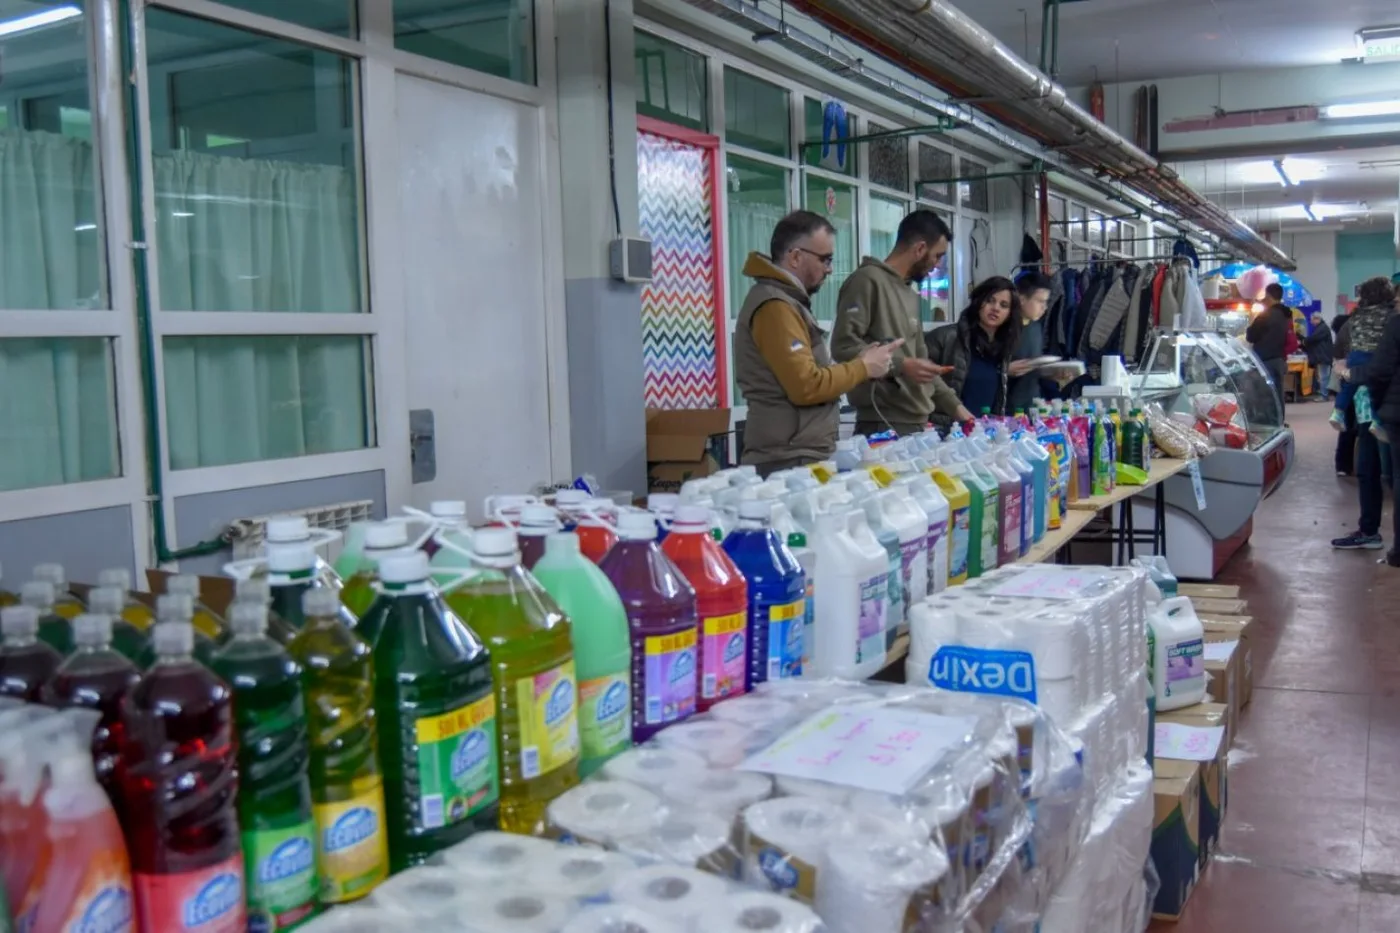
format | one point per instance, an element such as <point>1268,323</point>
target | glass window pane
<point>827,123</point>
<point>973,193</point>
<point>671,83</point>
<point>885,215</point>
<point>837,203</point>
<point>51,246</point>
<point>889,159</point>
<point>758,199</point>
<point>257,171</point>
<point>236,399</point>
<point>756,114</point>
<point>58,416</point>
<point>494,36</point>
<point>334,16</point>
<point>935,163</point>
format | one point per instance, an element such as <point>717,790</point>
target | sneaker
<point>1356,541</point>
<point>1338,420</point>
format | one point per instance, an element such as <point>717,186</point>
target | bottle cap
<point>117,576</point>
<point>37,593</point>
<point>53,573</point>
<point>186,583</point>
<point>846,444</point>
<point>494,542</point>
<point>107,600</point>
<point>756,510</point>
<point>797,539</point>
<point>403,567</point>
<point>386,536</point>
<point>294,559</point>
<point>172,638</point>
<point>538,519</point>
<point>19,621</point>
<point>253,590</point>
<point>92,630</point>
<point>571,498</point>
<point>563,542</point>
<point>454,509</point>
<point>636,525</point>
<point>247,618</point>
<point>663,503</point>
<point>320,602</point>
<point>282,529</point>
<point>174,607</point>
<point>694,516</point>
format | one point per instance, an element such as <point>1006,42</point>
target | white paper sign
<point>1047,582</point>
<point>878,749</point>
<point>1198,485</point>
<point>1219,650</point>
<point>1187,743</point>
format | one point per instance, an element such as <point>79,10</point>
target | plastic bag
<point>1171,436</point>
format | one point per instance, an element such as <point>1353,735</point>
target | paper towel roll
<point>582,873</point>
<point>359,918</point>
<point>600,812</point>
<point>694,839</point>
<point>821,790</point>
<point>784,841</point>
<point>873,886</point>
<point>412,890</point>
<point>722,744</point>
<point>619,918</point>
<point>756,912</point>
<point>515,909</point>
<point>491,856</point>
<point>653,768</point>
<point>723,793</point>
<point>755,711</point>
<point>671,892</point>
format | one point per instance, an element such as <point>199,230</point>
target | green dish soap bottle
<point>258,591</point>
<point>379,540</point>
<point>54,630</point>
<point>433,697</point>
<point>291,574</point>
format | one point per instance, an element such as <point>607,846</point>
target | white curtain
<point>842,265</point>
<point>750,230</point>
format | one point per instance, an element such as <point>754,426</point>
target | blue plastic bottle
<point>1038,457</point>
<point>777,593</point>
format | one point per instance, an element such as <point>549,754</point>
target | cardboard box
<point>1206,606</point>
<point>1176,834</point>
<point>1224,676</point>
<point>214,592</point>
<point>1208,590</point>
<point>1215,774</point>
<point>1240,629</point>
<point>678,442</point>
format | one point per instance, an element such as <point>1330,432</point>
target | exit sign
<point>1379,44</point>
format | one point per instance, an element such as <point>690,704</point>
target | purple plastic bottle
<point>662,618</point>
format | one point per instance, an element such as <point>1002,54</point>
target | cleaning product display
<point>777,594</point>
<point>721,605</point>
<point>359,568</point>
<point>26,663</point>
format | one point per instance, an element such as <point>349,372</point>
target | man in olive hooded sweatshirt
<point>878,305</point>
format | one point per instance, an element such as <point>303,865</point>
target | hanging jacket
<point>1158,281</point>
<point>1174,291</point>
<point>1132,317</point>
<point>1112,311</point>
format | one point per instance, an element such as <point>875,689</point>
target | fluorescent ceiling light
<point>1307,209</point>
<point>1286,171</point>
<point>1374,108</point>
<point>1283,178</point>
<point>20,24</point>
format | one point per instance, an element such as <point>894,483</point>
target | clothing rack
<point>1129,261</point>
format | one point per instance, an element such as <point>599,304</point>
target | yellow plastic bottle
<point>532,671</point>
<point>133,611</point>
<point>206,621</point>
<point>959,522</point>
<point>6,597</point>
<point>65,604</point>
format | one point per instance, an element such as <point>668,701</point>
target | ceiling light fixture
<point>1373,108</point>
<point>1283,178</point>
<point>1307,209</point>
<point>11,27</point>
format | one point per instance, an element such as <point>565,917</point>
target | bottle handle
<point>417,516</point>
<point>244,569</point>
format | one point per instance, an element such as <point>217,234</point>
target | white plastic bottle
<point>935,505</point>
<point>909,520</point>
<point>852,598</point>
<point>807,558</point>
<point>847,456</point>
<point>1176,654</point>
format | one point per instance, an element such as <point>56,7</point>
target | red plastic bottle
<point>25,662</point>
<point>721,601</point>
<point>596,535</point>
<point>178,784</point>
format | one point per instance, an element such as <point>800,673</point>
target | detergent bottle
<point>65,603</point>
<point>847,456</point>
<point>777,593</point>
<point>378,539</point>
<point>26,663</point>
<point>206,621</point>
<point>294,531</point>
<point>1038,458</point>
<point>852,600</point>
<point>258,591</point>
<point>532,673</point>
<point>291,574</point>
<point>133,610</point>
<point>596,529</point>
<point>347,785</point>
<point>537,523</point>
<point>1116,420</point>
<point>7,598</point>
<point>28,735</point>
<point>1101,450</point>
<point>806,558</point>
<point>984,491</point>
<point>896,614</point>
<point>450,520</point>
<point>602,648</point>
<point>98,677</point>
<point>54,630</point>
<point>959,522</point>
<point>1026,472</point>
<point>504,511</point>
<point>177,607</point>
<point>179,783</point>
<point>663,506</point>
<point>274,791</point>
<point>721,604</point>
<point>1008,507</point>
<point>907,517</point>
<point>1134,441</point>
<point>935,506</point>
<point>661,617</point>
<point>126,638</point>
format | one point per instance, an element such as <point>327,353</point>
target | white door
<point>474,288</point>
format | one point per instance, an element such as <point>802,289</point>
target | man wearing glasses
<point>781,361</point>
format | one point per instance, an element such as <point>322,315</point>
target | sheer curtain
<point>750,230</point>
<point>842,265</point>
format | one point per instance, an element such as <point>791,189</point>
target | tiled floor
<point>1312,839</point>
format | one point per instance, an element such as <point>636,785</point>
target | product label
<point>724,655</point>
<point>209,900</point>
<point>603,721</point>
<point>670,677</point>
<point>961,523</point>
<point>809,622</point>
<point>281,876</point>
<point>1011,523</point>
<point>104,902</point>
<point>872,615</point>
<point>984,670</point>
<point>786,624</point>
<point>784,872</point>
<point>1185,661</point>
<point>1027,513</point>
<point>457,769</point>
<point>548,705</point>
<point>914,566</point>
<point>352,851</point>
<point>989,529</point>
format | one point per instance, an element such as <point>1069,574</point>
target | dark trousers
<point>1346,444</point>
<point>766,470</point>
<point>1393,432</point>
<point>869,428</point>
<point>1278,371</point>
<point>1368,480</point>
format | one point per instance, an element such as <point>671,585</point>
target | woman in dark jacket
<point>980,347</point>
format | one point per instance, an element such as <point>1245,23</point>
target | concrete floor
<point>1312,839</point>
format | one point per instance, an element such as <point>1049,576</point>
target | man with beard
<point>878,305</point>
<point>791,386</point>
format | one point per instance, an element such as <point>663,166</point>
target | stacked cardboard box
<point>679,445</point>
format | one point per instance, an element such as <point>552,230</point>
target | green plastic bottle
<point>532,663</point>
<point>178,607</point>
<point>292,572</point>
<point>347,786</point>
<point>65,603</point>
<point>6,599</point>
<point>984,491</point>
<point>133,610</point>
<point>206,621</point>
<point>1133,439</point>
<point>379,539</point>
<point>602,648</point>
<point>126,638</point>
<point>1100,454</point>
<point>274,792</point>
<point>54,630</point>
<point>258,591</point>
<point>433,697</point>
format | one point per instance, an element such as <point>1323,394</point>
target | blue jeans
<point>1321,375</point>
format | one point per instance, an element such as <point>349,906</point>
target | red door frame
<point>705,141</point>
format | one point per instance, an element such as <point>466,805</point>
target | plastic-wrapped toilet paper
<point>694,838</point>
<point>821,790</point>
<point>412,891</point>
<point>493,856</point>
<point>754,710</point>
<point>879,886</point>
<point>723,793</point>
<point>584,874</point>
<point>671,892</point>
<point>515,909</point>
<point>653,768</point>
<point>721,743</point>
<point>601,812</point>
<point>756,912</point>
<point>784,842</point>
<point>620,918</point>
<point>359,918</point>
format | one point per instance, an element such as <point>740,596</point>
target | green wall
<point>1361,256</point>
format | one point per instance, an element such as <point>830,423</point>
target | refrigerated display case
<point>1188,373</point>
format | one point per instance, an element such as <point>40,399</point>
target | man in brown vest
<point>781,360</point>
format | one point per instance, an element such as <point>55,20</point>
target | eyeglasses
<point>823,258</point>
